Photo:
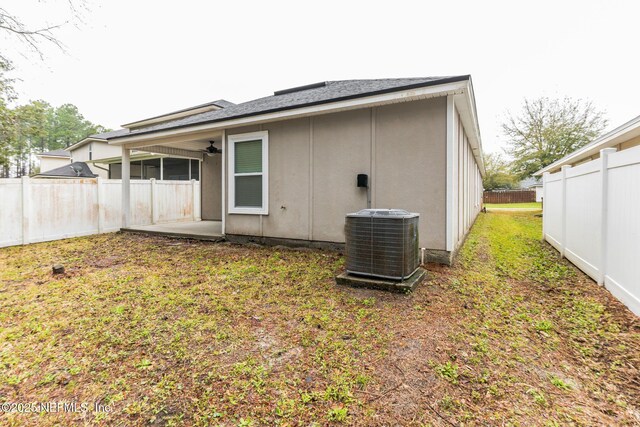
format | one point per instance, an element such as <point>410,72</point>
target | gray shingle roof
<point>56,153</point>
<point>329,92</point>
<point>111,134</point>
<point>219,103</point>
<point>72,170</point>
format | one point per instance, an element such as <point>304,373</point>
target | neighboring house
<point>71,170</point>
<point>94,147</point>
<point>533,183</point>
<point>53,159</point>
<point>591,201</point>
<point>105,160</point>
<point>621,138</point>
<point>289,164</point>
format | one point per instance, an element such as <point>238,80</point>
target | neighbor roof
<point>72,170</point>
<point>97,137</point>
<point>623,133</point>
<point>110,134</point>
<point>530,182</point>
<point>56,153</point>
<point>184,112</point>
<point>303,96</point>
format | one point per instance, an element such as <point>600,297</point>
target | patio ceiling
<point>190,147</point>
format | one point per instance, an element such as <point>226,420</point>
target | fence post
<point>563,244</point>
<point>100,205</point>
<point>154,201</point>
<point>545,176</point>
<point>193,199</point>
<point>26,207</point>
<point>604,211</point>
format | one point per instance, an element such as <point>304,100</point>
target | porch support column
<point>126,182</point>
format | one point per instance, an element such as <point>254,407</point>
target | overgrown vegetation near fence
<point>509,196</point>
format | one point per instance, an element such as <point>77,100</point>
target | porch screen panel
<point>195,169</point>
<point>248,170</point>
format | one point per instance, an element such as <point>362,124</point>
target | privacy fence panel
<point>591,217</point>
<point>37,210</point>
<point>553,210</point>
<point>10,212</point>
<point>583,217</point>
<point>177,200</point>
<point>58,208</point>
<point>623,227</point>
<point>510,196</point>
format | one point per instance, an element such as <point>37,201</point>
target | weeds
<point>173,332</point>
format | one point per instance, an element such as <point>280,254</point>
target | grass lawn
<point>533,205</point>
<point>171,332</point>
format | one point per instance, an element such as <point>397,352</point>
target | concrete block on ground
<point>407,285</point>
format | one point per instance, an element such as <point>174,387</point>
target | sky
<point>128,60</point>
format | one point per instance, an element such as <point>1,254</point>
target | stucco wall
<point>313,163</point>
<point>100,150</point>
<point>211,188</point>
<point>411,164</point>
<point>48,163</point>
<point>634,142</point>
<point>80,154</point>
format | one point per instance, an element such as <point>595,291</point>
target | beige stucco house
<point>53,159</point>
<point>284,168</point>
<point>105,160</point>
<point>621,138</point>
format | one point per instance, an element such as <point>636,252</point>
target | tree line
<point>544,131</point>
<point>35,127</point>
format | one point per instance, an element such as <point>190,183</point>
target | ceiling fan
<point>211,150</point>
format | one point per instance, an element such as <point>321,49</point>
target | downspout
<point>104,169</point>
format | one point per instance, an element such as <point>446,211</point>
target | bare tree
<point>35,37</point>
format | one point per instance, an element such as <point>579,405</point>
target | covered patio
<point>193,146</point>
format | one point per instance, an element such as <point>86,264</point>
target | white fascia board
<point>331,107</point>
<point>52,156</point>
<point>621,134</point>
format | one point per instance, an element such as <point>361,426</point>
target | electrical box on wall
<point>363,180</point>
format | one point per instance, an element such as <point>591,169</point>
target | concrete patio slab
<point>199,230</point>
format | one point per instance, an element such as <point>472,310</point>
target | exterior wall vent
<point>382,243</point>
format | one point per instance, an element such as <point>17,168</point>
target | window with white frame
<point>249,173</point>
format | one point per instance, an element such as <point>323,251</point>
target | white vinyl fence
<point>592,216</point>
<point>38,210</point>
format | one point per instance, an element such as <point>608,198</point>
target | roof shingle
<point>316,94</point>
<point>72,170</point>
